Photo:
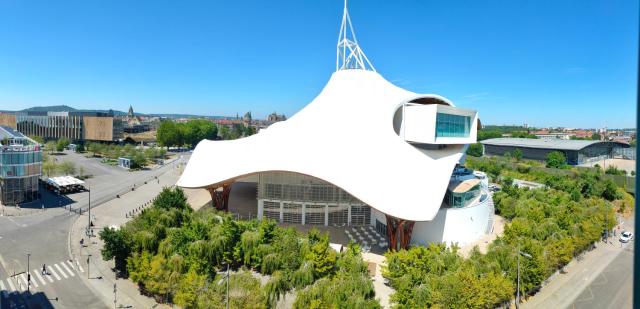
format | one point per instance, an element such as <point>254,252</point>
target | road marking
<point>50,268</point>
<point>13,288</point>
<point>3,263</point>
<point>61,271</point>
<point>79,266</point>
<point>35,271</point>
<point>23,278</point>
<point>67,269</point>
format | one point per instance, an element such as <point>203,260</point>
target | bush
<point>556,159</point>
<point>475,150</point>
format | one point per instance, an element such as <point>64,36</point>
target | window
<point>448,125</point>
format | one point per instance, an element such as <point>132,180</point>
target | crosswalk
<point>55,272</point>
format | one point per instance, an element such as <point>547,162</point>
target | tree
<point>80,148</point>
<point>475,150</point>
<point>68,168</point>
<point>138,160</point>
<point>517,154</point>
<point>596,137</point>
<point>556,159</point>
<point>49,168</point>
<point>169,134</point>
<point>117,246</point>
<point>51,146</point>
<point>62,144</point>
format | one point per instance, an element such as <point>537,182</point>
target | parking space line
<point>67,269</point>
<point>53,272</point>
<point>35,271</point>
<point>61,271</point>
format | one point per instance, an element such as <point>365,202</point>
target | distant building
<point>576,151</point>
<point>273,117</point>
<point>76,126</point>
<point>135,124</point>
<point>20,167</point>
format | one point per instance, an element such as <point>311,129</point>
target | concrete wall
<point>451,225</point>
<point>454,225</point>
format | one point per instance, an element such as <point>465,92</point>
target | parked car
<point>626,236</point>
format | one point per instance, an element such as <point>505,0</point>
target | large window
<point>448,125</point>
<point>462,199</point>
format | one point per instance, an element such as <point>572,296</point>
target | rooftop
<point>544,143</point>
<point>9,133</point>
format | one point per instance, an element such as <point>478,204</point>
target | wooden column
<point>399,227</point>
<point>405,234</point>
<point>220,198</point>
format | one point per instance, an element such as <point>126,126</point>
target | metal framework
<point>349,55</point>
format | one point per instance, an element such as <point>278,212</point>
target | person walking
<point>44,269</point>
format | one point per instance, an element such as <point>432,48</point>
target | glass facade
<point>448,125</point>
<point>303,197</point>
<point>462,199</point>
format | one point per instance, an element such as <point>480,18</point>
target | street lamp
<point>518,291</point>
<point>226,277</point>
<point>88,266</point>
<point>28,272</point>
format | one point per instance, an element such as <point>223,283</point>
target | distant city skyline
<point>571,64</point>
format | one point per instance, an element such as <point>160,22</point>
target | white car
<point>626,236</point>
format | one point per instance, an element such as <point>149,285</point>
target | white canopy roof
<point>63,181</point>
<point>345,136</point>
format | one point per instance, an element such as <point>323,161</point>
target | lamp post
<point>226,277</point>
<point>89,226</point>
<point>518,291</point>
<point>88,266</point>
<point>28,272</point>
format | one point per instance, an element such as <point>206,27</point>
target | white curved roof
<point>345,136</point>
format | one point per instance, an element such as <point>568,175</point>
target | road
<point>602,278</point>
<point>45,236</point>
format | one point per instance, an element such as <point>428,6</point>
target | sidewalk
<point>563,289</point>
<point>113,213</point>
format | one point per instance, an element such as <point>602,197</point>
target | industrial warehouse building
<point>576,151</point>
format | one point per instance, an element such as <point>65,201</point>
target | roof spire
<point>349,55</point>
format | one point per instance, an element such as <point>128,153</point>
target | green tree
<point>475,150</point>
<point>517,154</point>
<point>596,137</point>
<point>51,146</point>
<point>62,144</point>
<point>49,168</point>
<point>117,246</point>
<point>169,134</point>
<point>67,168</point>
<point>556,159</point>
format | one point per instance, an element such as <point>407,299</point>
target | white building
<point>392,170</point>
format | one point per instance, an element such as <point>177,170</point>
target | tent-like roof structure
<point>346,137</point>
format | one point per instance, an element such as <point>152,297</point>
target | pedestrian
<point>44,269</point>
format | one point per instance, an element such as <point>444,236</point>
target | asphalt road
<point>45,236</point>
<point>613,287</point>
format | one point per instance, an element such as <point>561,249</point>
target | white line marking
<point>61,271</point>
<point>37,272</point>
<point>13,288</point>
<point>79,266</point>
<point>23,278</point>
<point>34,282</point>
<point>67,269</point>
<point>50,268</point>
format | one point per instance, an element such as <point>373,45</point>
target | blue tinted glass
<point>448,125</point>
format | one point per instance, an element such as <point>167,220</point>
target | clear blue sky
<point>545,63</point>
